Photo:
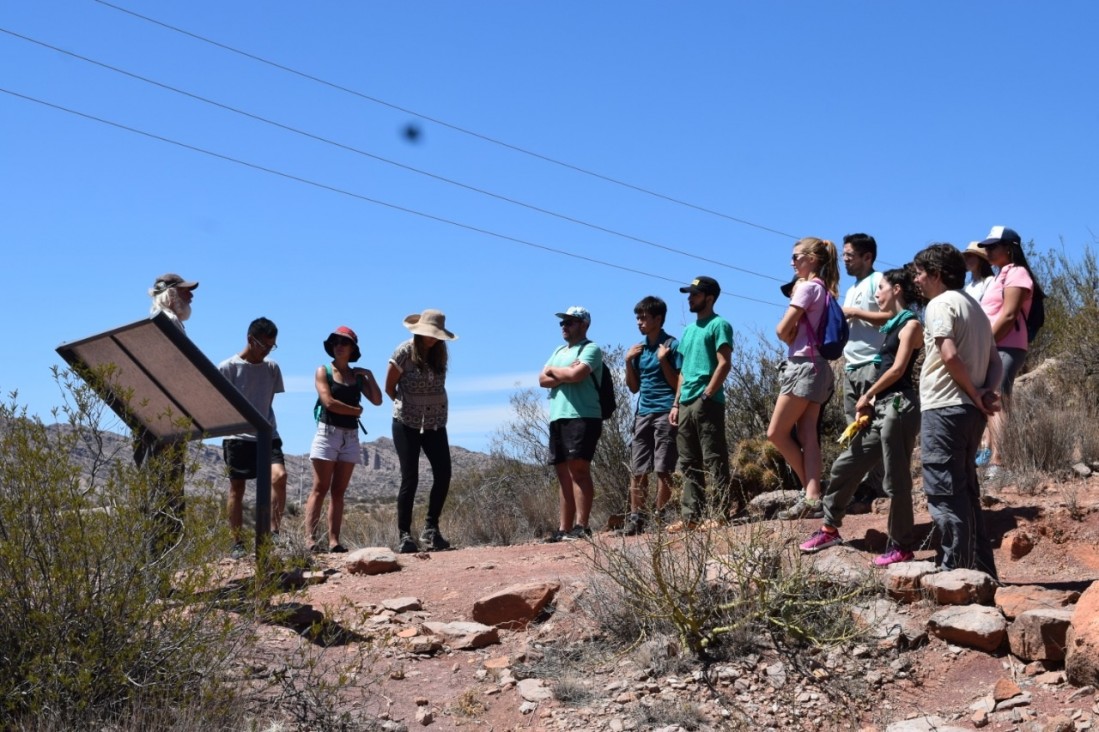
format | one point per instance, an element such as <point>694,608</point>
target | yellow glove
<point>861,422</point>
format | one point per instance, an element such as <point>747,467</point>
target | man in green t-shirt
<point>699,407</point>
<point>576,420</point>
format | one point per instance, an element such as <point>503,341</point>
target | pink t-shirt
<point>993,302</point>
<point>810,297</point>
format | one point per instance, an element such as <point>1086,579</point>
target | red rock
<point>516,606</point>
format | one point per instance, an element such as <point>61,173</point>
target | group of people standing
<point>973,337</point>
<point>415,381</point>
<point>973,347</point>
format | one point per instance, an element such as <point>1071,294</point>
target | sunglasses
<point>263,346</point>
<point>342,341</point>
<point>568,323</point>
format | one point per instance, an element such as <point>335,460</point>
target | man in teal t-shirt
<point>576,420</point>
<point>652,372</point>
<point>699,408</point>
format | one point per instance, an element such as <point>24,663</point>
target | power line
<point>443,123</point>
<point>373,156</point>
<point>358,196</point>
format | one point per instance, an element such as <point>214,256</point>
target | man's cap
<point>1000,235</point>
<point>705,285</point>
<point>170,280</point>
<point>577,312</point>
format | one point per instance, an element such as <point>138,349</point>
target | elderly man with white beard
<point>172,296</point>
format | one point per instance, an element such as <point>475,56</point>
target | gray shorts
<point>653,446</point>
<point>807,378</point>
<point>1013,359</point>
<point>336,444</point>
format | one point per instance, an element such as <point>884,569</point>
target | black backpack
<point>1036,318</point>
<point>605,388</point>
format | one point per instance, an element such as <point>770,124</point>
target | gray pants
<point>855,384</point>
<point>887,444</point>
<point>948,447</point>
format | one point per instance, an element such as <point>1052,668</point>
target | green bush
<point>92,625</point>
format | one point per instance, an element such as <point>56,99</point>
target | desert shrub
<point>99,630</point>
<point>504,502</point>
<point>718,591</point>
<point>671,713</point>
<point>95,627</point>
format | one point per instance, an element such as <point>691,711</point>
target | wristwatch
<point>704,396</point>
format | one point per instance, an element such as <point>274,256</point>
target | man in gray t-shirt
<point>258,380</point>
<point>861,355</point>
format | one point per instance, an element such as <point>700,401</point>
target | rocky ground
<point>432,664</point>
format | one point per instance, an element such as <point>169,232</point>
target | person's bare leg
<point>583,489</point>
<point>278,495</point>
<point>788,410</point>
<point>235,507</point>
<point>341,477</point>
<point>811,454</point>
<point>322,479</point>
<point>567,499</point>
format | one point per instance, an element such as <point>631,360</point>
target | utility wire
<point>358,196</point>
<point>443,123</point>
<point>364,153</point>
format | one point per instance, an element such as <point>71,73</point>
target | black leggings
<point>408,442</point>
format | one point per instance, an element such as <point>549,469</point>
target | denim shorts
<point>807,378</point>
<point>336,444</point>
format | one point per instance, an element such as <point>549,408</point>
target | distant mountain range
<point>377,478</point>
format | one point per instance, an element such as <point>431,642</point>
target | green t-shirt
<point>581,398</point>
<point>699,346</point>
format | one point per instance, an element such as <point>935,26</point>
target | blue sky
<point>913,121</point>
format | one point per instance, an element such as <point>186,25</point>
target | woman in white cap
<point>335,451</point>
<point>981,275</point>
<point>416,382</point>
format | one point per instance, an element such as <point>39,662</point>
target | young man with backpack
<point>652,372</point>
<point>698,410</point>
<point>573,375</point>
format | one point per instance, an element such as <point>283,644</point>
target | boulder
<point>402,604</point>
<point>889,623</point>
<point>1015,600</point>
<point>516,606</point>
<point>1082,640</point>
<point>371,560</point>
<point>960,587</point>
<point>463,635</point>
<point>534,690</point>
<point>971,626</point>
<point>903,581</point>
<point>841,565</point>
<point>766,505</point>
<point>1018,543</point>
<point>1039,635</point>
<point>1005,689</point>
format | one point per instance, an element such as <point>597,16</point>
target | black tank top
<point>889,357</point>
<point>348,394</point>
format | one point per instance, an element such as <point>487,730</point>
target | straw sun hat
<point>429,323</point>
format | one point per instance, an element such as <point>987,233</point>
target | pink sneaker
<point>821,539</point>
<point>894,555</point>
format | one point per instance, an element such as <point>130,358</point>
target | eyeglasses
<point>263,346</point>
<point>568,323</point>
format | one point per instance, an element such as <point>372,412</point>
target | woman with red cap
<point>335,451</point>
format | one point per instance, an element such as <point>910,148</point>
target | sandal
<point>337,549</point>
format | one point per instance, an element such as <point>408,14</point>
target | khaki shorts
<point>807,378</point>
<point>653,446</point>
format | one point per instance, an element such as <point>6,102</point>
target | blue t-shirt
<point>656,395</point>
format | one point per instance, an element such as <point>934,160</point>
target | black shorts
<point>240,456</point>
<point>574,439</point>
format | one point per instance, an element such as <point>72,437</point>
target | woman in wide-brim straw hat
<point>416,382</point>
<point>335,451</point>
<point>981,275</point>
